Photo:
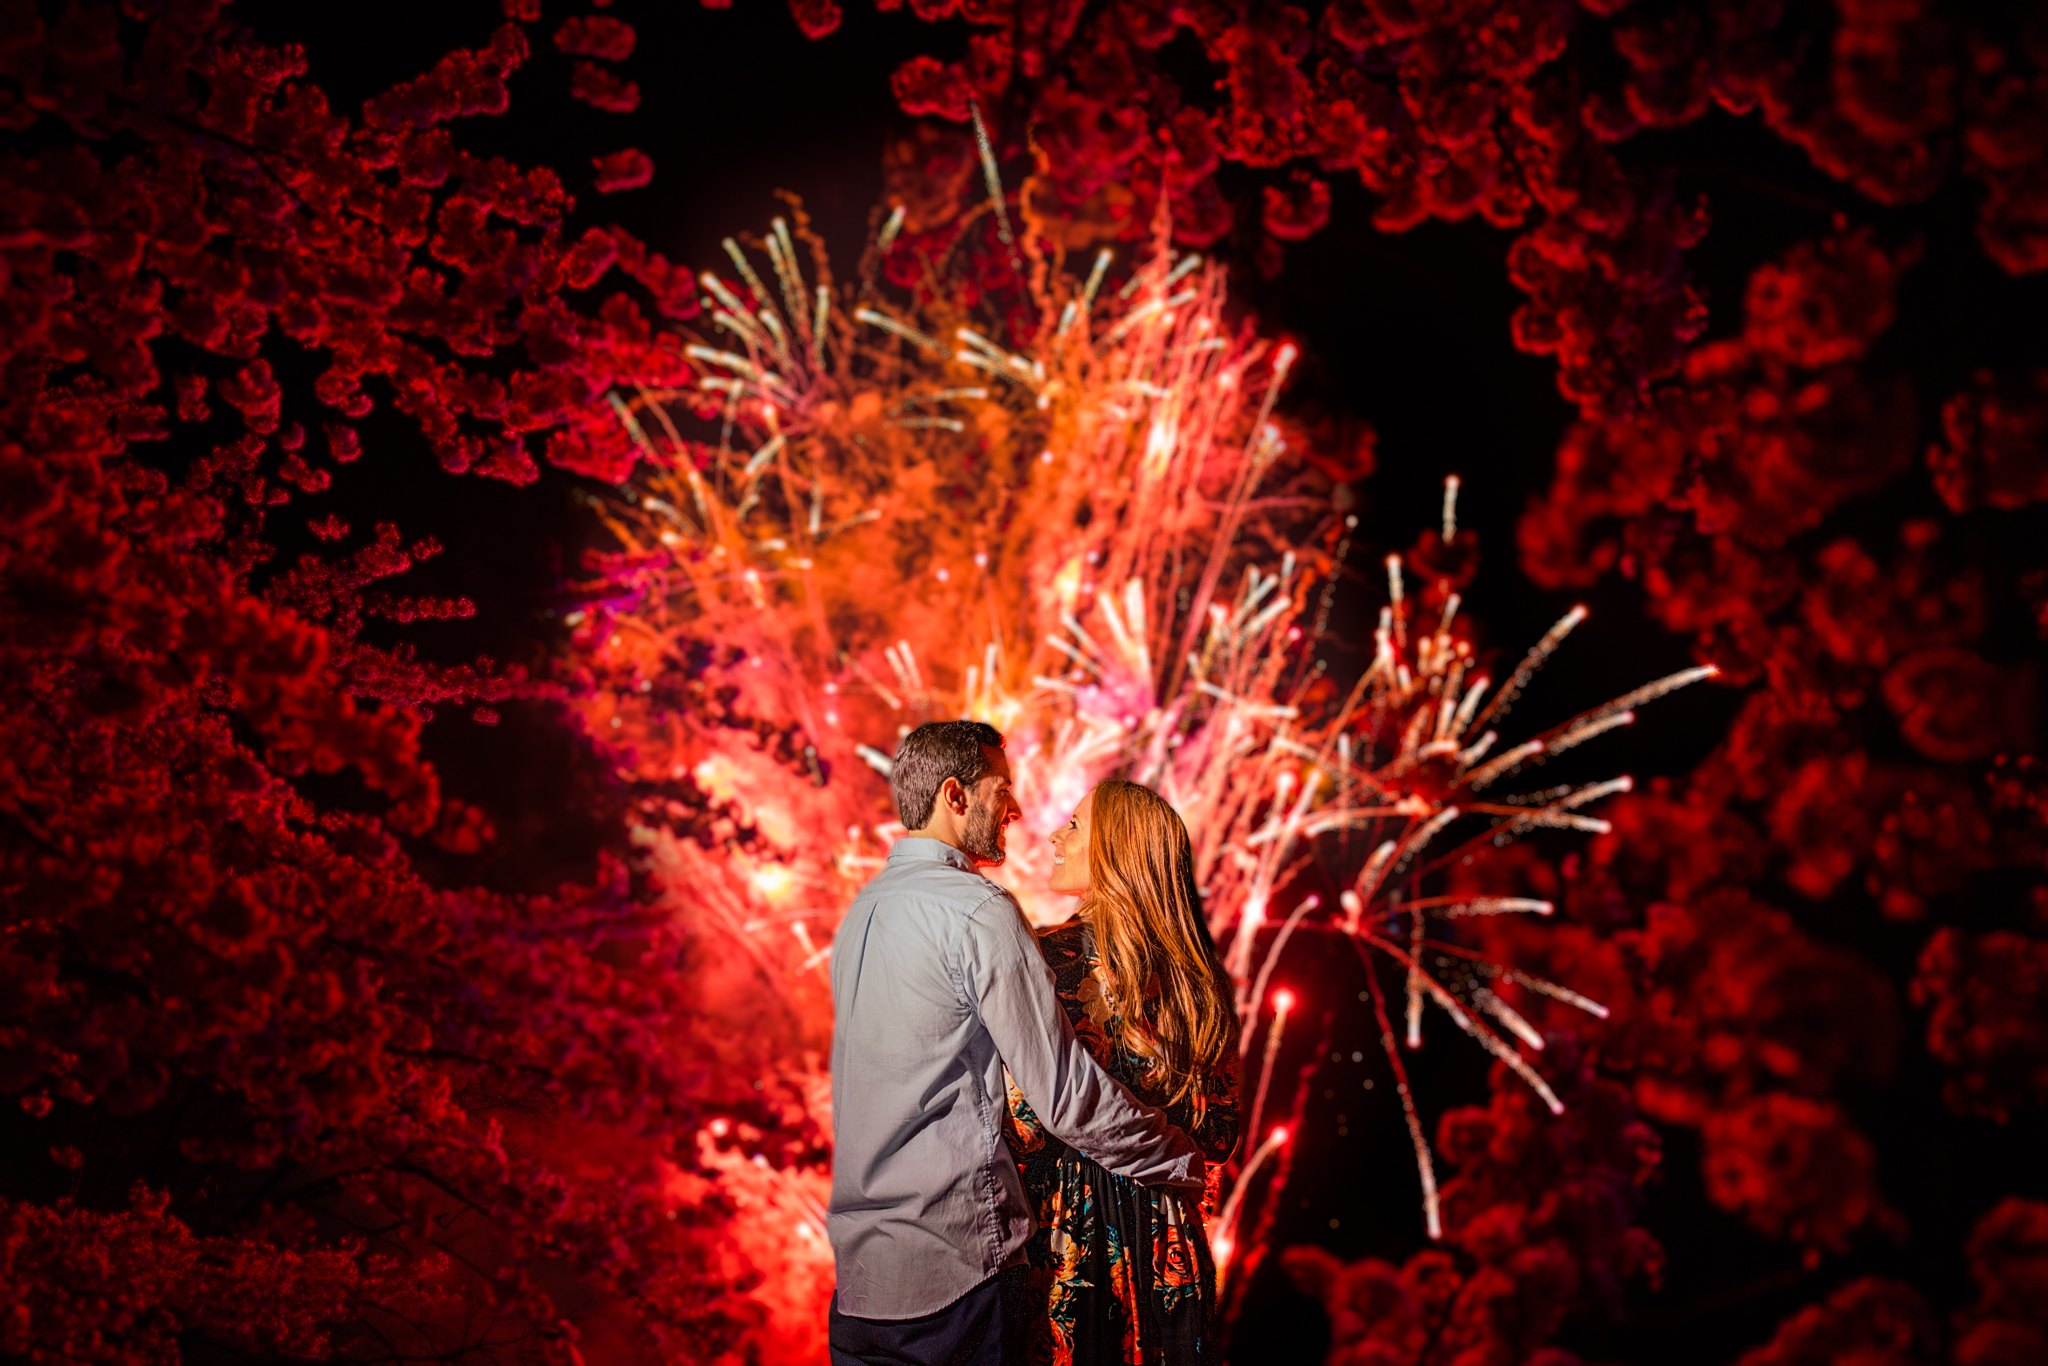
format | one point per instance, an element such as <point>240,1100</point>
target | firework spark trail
<point>1425,1165</point>
<point>1536,984</point>
<point>1463,1018</point>
<point>1134,621</point>
<point>1224,1235</point>
<point>1283,1002</point>
<point>1249,1009</point>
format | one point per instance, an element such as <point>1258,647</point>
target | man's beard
<point>982,837</point>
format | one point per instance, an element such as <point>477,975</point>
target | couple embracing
<point>1023,1122</point>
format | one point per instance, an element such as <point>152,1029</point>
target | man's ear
<point>954,794</point>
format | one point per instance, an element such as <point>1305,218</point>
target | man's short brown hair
<point>934,752</point>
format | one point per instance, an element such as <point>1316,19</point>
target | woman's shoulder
<point>1069,951</point>
<point>1065,943</point>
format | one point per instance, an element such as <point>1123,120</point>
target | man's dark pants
<point>988,1326</point>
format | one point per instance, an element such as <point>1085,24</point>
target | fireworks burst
<point>1090,535</point>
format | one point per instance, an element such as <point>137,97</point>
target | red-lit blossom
<point>1994,451</point>
<point>1794,1168</point>
<point>596,35</point>
<point>2008,1254</point>
<point>1986,998</point>
<point>218,949</point>
<point>601,89</point>
<point>623,170</point>
<point>136,1286</point>
<point>1872,1319</point>
<point>1501,111</point>
<point>1770,508</point>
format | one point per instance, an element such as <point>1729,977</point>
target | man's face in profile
<point>990,808</point>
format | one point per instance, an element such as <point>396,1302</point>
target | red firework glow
<point>284,1078</point>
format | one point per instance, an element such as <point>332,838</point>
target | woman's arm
<point>1011,989</point>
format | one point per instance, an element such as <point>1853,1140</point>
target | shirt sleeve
<point>1074,1098</point>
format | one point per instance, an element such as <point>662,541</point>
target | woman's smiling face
<point>1070,851</point>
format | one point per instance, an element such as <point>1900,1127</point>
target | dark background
<point>1410,332</point>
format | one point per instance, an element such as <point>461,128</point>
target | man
<point>937,985</point>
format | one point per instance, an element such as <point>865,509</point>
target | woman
<point>1126,1269</point>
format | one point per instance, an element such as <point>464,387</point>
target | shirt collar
<point>924,849</point>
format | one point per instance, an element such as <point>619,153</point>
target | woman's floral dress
<point>1125,1268</point>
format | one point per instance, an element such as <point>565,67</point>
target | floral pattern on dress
<point>1125,1268</point>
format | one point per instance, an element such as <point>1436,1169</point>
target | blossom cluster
<point>266,1088</point>
<point>1880,1319</point>
<point>1881,760</point>
<point>1518,113</point>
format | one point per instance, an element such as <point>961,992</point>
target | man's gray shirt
<point>936,985</point>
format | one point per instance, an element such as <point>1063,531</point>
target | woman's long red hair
<point>1173,999</point>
